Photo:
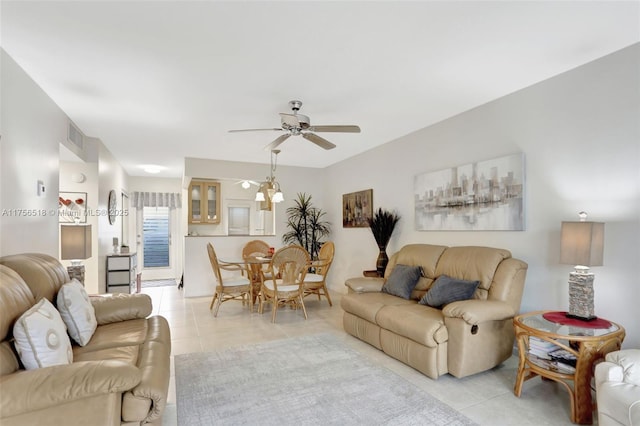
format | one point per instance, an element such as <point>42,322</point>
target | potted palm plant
<point>382,225</point>
<point>306,226</point>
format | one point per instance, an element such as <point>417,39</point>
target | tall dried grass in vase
<point>382,225</point>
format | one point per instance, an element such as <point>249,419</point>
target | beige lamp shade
<point>582,243</point>
<point>75,242</point>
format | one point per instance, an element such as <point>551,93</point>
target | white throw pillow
<point>41,338</point>
<point>77,311</point>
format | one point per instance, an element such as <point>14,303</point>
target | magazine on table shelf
<point>541,348</point>
<point>563,356</point>
<point>550,356</point>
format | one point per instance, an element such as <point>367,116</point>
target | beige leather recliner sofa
<point>121,377</point>
<point>464,337</point>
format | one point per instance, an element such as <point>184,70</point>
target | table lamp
<point>582,245</point>
<point>75,244</point>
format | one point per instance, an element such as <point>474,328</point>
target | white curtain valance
<point>157,199</point>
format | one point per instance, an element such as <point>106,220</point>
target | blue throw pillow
<point>446,290</point>
<point>402,280</point>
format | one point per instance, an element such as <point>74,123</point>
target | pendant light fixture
<point>270,188</point>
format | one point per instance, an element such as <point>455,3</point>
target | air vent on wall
<point>75,136</point>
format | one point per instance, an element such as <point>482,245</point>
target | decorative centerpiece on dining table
<point>382,225</point>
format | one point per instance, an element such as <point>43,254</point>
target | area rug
<point>310,380</point>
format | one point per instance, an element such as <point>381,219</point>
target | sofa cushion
<point>77,311</point>
<point>402,280</point>
<point>425,255</point>
<point>367,305</point>
<point>446,290</point>
<point>41,337</point>
<point>16,298</point>
<point>419,323</point>
<point>125,333</point>
<point>472,263</point>
<point>43,274</point>
<point>128,354</point>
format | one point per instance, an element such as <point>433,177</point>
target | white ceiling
<point>158,81</point>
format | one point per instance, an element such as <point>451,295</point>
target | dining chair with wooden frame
<point>316,282</point>
<point>287,268</point>
<point>231,288</point>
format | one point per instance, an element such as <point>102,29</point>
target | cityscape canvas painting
<point>481,196</point>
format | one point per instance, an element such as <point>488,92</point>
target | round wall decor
<point>111,206</point>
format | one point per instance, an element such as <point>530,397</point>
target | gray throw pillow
<point>446,290</point>
<point>402,280</point>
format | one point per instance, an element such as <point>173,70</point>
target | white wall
<point>32,127</point>
<point>580,134</point>
<point>111,176</point>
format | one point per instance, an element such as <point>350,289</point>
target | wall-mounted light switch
<point>40,188</point>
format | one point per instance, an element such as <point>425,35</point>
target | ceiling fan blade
<point>254,130</point>
<point>289,119</point>
<point>337,129</point>
<point>321,142</point>
<point>277,142</point>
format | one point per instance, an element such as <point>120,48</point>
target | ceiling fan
<point>294,124</point>
<point>246,184</point>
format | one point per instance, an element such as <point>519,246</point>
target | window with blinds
<point>156,237</point>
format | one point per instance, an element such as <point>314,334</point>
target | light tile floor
<point>486,398</point>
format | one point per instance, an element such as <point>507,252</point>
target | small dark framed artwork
<point>357,209</point>
<point>72,207</point>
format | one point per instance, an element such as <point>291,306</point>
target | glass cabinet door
<point>204,202</point>
<point>195,201</point>
<point>213,206</point>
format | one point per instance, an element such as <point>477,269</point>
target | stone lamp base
<point>77,272</point>
<point>581,296</point>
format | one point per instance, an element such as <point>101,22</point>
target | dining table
<point>251,264</point>
<point>244,261</point>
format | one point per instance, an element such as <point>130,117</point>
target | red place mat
<point>561,318</point>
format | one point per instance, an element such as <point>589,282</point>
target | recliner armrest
<point>121,307</point>
<point>477,311</point>
<point>608,372</point>
<point>31,390</point>
<point>364,284</point>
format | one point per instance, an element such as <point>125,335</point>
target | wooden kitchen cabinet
<point>204,201</point>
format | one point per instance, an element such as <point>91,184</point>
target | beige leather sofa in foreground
<point>121,377</point>
<point>464,337</point>
<point>618,388</point>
